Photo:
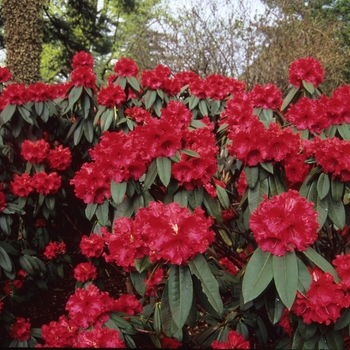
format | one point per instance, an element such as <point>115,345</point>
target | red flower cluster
<point>140,115</point>
<point>153,280</point>
<point>39,92</point>
<point>21,185</point>
<point>59,158</point>
<point>336,107</point>
<point>46,184</point>
<point>169,232</point>
<point>35,152</point>
<point>323,301</point>
<point>83,76</point>
<point>229,266</point>
<point>266,97</point>
<point>285,222</point>
<point>82,58</point>
<point>128,304</point>
<point>126,67</point>
<point>5,75</point>
<point>92,247</point>
<point>307,69</point>
<point>85,272</point>
<point>342,263</point>
<point>111,96</point>
<point>333,156</point>
<point>256,144</point>
<point>156,78</point>
<point>14,94</point>
<point>53,249</point>
<point>20,330</point>
<point>234,341</point>
<point>2,199</point>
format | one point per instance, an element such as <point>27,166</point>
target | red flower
<point>14,94</point>
<point>89,307</point>
<point>111,96</point>
<point>234,341</point>
<point>153,280</point>
<point>53,249</point>
<point>342,263</point>
<point>20,330</point>
<point>229,266</point>
<point>307,69</point>
<point>266,97</point>
<point>126,67</point>
<point>242,184</point>
<point>2,201</point>
<point>5,75</point>
<point>99,337</point>
<point>169,343</point>
<point>154,79</point>
<point>140,115</point>
<point>59,158</point>
<point>39,92</point>
<point>285,322</point>
<point>128,304</point>
<point>85,271</point>
<point>295,168</point>
<point>21,185</point>
<point>323,301</point>
<point>83,76</point>
<point>198,87</point>
<point>61,334</point>
<point>46,184</point>
<point>82,58</point>
<point>285,222</point>
<point>92,247</point>
<point>35,152</point>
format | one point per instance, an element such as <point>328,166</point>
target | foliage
<point>224,207</point>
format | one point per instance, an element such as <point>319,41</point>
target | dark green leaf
<point>203,107</point>
<point>285,274</point>
<point>255,195</point>
<point>337,190</point>
<point>321,262</point>
<point>134,83</point>
<point>322,210</point>
<point>124,209</point>
<point>304,277</point>
<point>150,97</point>
<point>344,131</point>
<point>164,170</point>
<point>223,197</point>
<point>7,114</point>
<point>258,275</point>
<point>75,95</point>
<point>268,166</point>
<point>252,175</point>
<point>90,210</point>
<point>5,260</point>
<point>150,175</point>
<point>200,268</point>
<point>335,340</point>
<point>289,97</point>
<point>343,320</point>
<point>137,280</point>
<point>142,264</point>
<point>323,185</point>
<point>212,206</point>
<point>102,213</point>
<point>88,130</point>
<point>157,318</point>
<point>181,197</point>
<point>336,213</point>
<point>195,197</point>
<point>26,265</point>
<point>180,289</point>
<point>118,190</point>
<point>193,102</point>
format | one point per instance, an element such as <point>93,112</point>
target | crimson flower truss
<point>219,206</point>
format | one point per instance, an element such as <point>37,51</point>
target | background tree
<point>23,37</point>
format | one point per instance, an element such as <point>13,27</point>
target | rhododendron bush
<point>226,210</point>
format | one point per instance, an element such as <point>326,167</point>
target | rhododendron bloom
<point>307,69</point>
<point>59,158</point>
<point>285,222</point>
<point>35,151</point>
<point>153,280</point>
<point>234,341</point>
<point>169,343</point>
<point>323,301</point>
<point>39,92</point>
<point>53,249</point>
<point>14,94</point>
<point>20,330</point>
<point>154,79</point>
<point>140,115</point>
<point>21,185</point>
<point>2,199</point>
<point>111,96</point>
<point>285,322</point>
<point>85,271</point>
<point>266,97</point>
<point>5,75</point>
<point>99,337</point>
<point>89,307</point>
<point>83,76</point>
<point>229,266</point>
<point>46,184</point>
<point>82,58</point>
<point>92,246</point>
<point>342,266</point>
<point>126,67</point>
<point>295,168</point>
<point>128,304</point>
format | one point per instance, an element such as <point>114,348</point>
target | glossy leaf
<point>343,320</point>
<point>289,97</point>
<point>90,210</point>
<point>258,275</point>
<point>304,277</point>
<point>200,268</point>
<point>118,190</point>
<point>150,98</point>
<point>323,185</point>
<point>164,170</point>
<point>252,175</point>
<point>102,212</point>
<point>75,95</point>
<point>223,197</point>
<point>7,114</point>
<point>285,274</point>
<point>336,213</point>
<point>195,197</point>
<point>309,87</point>
<point>180,289</point>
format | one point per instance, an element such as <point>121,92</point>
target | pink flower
<point>20,330</point>
<point>285,222</point>
<point>307,69</point>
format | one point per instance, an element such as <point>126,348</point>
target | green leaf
<point>195,197</point>
<point>203,107</point>
<point>118,191</point>
<point>7,114</point>
<point>285,274</point>
<point>180,289</point>
<point>25,114</point>
<point>304,277</point>
<point>255,195</point>
<point>189,152</point>
<point>157,318</point>
<point>337,189</point>
<point>125,209</point>
<point>90,210</point>
<point>134,83</point>
<point>321,262</point>
<point>102,213</point>
<point>323,185</point>
<point>223,197</point>
<point>88,130</point>
<point>26,265</point>
<point>343,320</point>
<point>289,97</point>
<point>200,268</point>
<point>344,131</point>
<point>137,280</point>
<point>252,175</point>
<point>181,197</point>
<point>336,213</point>
<point>309,87</point>
<point>258,275</point>
<point>5,260</point>
<point>75,95</point>
<point>142,264</point>
<point>322,210</point>
<point>164,170</point>
<point>150,97</point>
<point>335,340</point>
<point>268,166</point>
<point>212,206</point>
<point>193,102</point>
<point>150,175</point>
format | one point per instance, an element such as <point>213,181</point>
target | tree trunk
<point>23,37</point>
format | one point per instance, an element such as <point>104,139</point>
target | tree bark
<point>23,37</point>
